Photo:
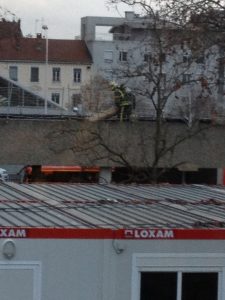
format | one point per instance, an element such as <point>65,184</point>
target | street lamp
<point>45,28</point>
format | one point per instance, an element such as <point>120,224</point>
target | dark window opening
<point>123,56</point>
<point>172,176</point>
<point>186,78</point>
<point>159,286</point>
<point>165,286</point>
<point>196,286</point>
<point>76,99</point>
<point>147,57</point>
<point>56,74</point>
<point>56,97</point>
<point>34,76</point>
<point>77,75</point>
<point>13,73</point>
<point>200,60</point>
<point>187,58</point>
<point>162,57</point>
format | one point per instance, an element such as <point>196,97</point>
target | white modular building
<point>84,241</point>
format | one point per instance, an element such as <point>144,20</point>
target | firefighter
<point>131,102</point>
<point>124,100</point>
<point>27,173</point>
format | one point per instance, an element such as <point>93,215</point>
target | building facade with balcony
<point>158,62</point>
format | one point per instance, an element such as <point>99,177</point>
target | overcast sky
<point>61,16</point>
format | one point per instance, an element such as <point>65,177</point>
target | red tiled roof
<point>33,49</point>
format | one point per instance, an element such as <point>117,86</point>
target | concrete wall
<point>66,142</point>
<point>90,269</point>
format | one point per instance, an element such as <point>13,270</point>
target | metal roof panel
<point>111,206</point>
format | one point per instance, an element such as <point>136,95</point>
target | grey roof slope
<point>111,206</point>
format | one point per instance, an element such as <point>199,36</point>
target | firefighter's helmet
<point>114,85</point>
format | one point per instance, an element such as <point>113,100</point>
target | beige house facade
<point>53,69</point>
<point>64,81</point>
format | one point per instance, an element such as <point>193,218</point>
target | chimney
<point>129,15</point>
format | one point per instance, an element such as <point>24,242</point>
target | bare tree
<point>98,99</point>
<point>174,67</point>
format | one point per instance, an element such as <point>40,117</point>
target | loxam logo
<point>149,233</point>
<point>12,233</point>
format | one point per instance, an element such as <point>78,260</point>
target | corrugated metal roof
<point>111,206</point>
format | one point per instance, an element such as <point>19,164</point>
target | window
<point>76,98</point>
<point>179,285</point>
<point>162,57</point>
<point>56,97</point>
<point>108,56</point>
<point>123,56</point>
<point>147,57</point>
<point>151,283</point>
<point>56,74</point>
<point>34,75</point>
<point>200,60</point>
<point>178,276</point>
<point>199,286</point>
<point>13,73</point>
<point>109,74</point>
<point>186,78</point>
<point>76,75</point>
<point>187,58</point>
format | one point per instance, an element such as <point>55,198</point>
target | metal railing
<point>16,99</point>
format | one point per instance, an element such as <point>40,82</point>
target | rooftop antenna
<point>42,24</point>
<point>36,26</point>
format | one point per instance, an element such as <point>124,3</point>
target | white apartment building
<point>123,47</point>
<point>53,69</point>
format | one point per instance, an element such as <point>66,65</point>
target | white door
<point>20,281</point>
